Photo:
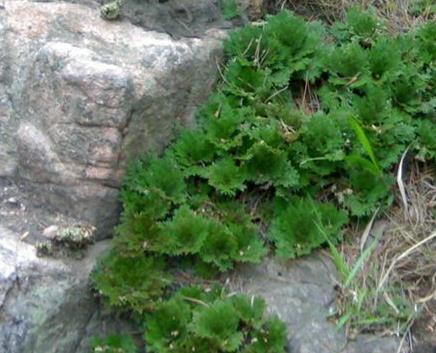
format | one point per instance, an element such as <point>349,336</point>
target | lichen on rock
<point>111,10</point>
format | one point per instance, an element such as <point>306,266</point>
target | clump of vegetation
<point>66,241</point>
<point>212,320</point>
<point>74,237</point>
<point>44,249</point>
<point>205,320</point>
<point>299,138</point>
<point>111,10</point>
<point>114,344</point>
<point>300,226</point>
<point>229,9</point>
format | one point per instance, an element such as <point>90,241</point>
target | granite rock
<point>80,97</point>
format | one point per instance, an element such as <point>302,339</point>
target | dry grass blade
<point>367,231</point>
<point>401,184</point>
<point>424,300</point>
<point>405,336</point>
<point>402,256</point>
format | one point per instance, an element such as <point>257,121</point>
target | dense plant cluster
<point>300,136</point>
<point>114,344</point>
<point>213,321</point>
<point>207,320</point>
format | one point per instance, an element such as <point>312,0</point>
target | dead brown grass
<point>397,13</point>
<point>402,268</point>
<point>411,226</point>
<point>412,231</point>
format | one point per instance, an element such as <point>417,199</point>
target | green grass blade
<point>338,259</point>
<point>358,161</point>
<point>344,319</point>
<point>361,136</point>
<point>359,263</point>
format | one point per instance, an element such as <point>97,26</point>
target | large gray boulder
<point>80,97</point>
<point>46,305</point>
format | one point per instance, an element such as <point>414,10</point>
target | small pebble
<point>12,200</point>
<point>50,231</point>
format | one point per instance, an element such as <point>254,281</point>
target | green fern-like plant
<point>195,320</point>
<point>114,344</point>
<point>296,226</point>
<point>131,283</point>
<point>184,234</point>
<point>361,25</point>
<point>157,176</point>
<point>226,176</point>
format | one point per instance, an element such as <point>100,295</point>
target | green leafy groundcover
<point>205,321</point>
<point>114,344</point>
<point>300,137</point>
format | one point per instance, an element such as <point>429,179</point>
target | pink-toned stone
<point>88,97</point>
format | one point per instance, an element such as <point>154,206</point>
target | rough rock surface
<point>301,293</point>
<point>180,18</point>
<point>80,96</point>
<point>45,304</point>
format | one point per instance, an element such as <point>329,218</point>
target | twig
<point>196,301</point>
<point>367,230</point>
